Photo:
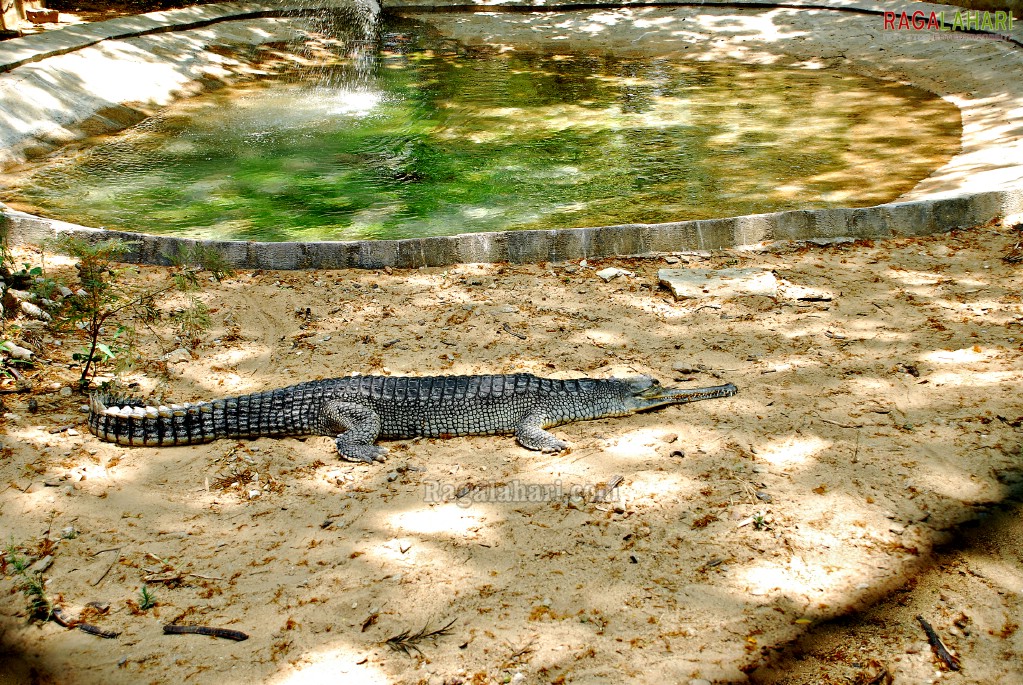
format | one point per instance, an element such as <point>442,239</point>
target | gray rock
<point>177,356</point>
<point>611,273</point>
<point>722,283</point>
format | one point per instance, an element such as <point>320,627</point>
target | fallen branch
<point>116,558</point>
<point>836,423</point>
<point>225,633</point>
<point>508,329</point>
<point>61,618</point>
<point>950,661</point>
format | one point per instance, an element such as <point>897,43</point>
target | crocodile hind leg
<point>356,428</point>
<point>531,435</point>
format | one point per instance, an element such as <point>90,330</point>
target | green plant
<point>192,320</point>
<point>147,598</point>
<point>32,584</point>
<point>759,521</point>
<point>105,298</point>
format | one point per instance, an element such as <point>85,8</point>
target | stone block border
<point>918,216</point>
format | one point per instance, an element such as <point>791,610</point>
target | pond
<point>434,137</point>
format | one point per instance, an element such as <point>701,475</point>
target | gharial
<point>357,410</point>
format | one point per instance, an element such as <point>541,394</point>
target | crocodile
<point>357,410</point>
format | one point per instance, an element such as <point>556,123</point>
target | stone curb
<point>920,217</point>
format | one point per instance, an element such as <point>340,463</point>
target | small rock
<point>84,409</point>
<point>682,367</point>
<point>897,529</point>
<point>699,681</point>
<point>65,392</point>
<point>611,273</point>
<point>670,438</point>
<point>177,356</point>
<point>254,493</point>
<point>73,432</point>
<point>671,260</point>
<point>392,476</point>
<point>41,565</point>
<point>824,242</point>
<point>17,351</point>
<point>508,309</point>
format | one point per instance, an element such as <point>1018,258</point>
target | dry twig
<point>407,642</point>
<point>949,660</point>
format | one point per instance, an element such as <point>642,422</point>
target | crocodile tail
<point>129,421</point>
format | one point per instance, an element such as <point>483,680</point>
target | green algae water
<point>442,138</point>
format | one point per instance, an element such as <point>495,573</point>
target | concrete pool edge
<point>33,48</point>
<point>917,213</point>
<point>900,219</point>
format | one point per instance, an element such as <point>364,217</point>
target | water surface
<point>440,138</point>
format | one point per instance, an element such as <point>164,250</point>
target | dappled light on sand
<point>866,425</point>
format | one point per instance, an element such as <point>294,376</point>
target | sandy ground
<point>874,419</point>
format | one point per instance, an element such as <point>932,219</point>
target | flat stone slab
<point>722,283</point>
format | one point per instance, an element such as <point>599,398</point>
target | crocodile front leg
<point>356,428</point>
<point>532,436</point>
